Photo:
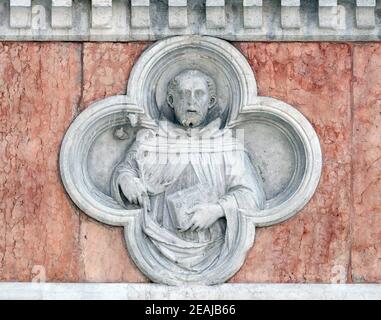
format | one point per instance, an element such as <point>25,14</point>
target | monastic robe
<point>172,158</point>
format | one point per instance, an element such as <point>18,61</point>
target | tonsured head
<point>191,94</point>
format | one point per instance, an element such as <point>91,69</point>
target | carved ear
<point>170,100</point>
<point>212,102</point>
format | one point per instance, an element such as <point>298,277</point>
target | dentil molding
<point>141,20</point>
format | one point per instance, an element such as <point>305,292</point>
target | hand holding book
<point>203,216</point>
<point>196,205</point>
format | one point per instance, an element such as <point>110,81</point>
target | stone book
<point>182,201</point>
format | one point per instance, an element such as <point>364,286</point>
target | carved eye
<point>212,101</point>
<point>199,93</point>
<point>170,99</point>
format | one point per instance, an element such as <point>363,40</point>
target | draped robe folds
<point>172,158</point>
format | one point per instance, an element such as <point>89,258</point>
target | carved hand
<point>134,190</point>
<point>204,215</point>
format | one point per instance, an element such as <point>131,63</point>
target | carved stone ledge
<point>141,20</point>
<point>121,291</point>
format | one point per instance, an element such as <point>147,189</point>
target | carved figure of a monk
<point>193,179</point>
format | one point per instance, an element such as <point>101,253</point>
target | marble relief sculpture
<point>193,199</point>
<point>190,161</point>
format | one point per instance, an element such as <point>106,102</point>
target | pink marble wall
<point>336,238</point>
<point>366,148</point>
<point>106,69</point>
<point>314,245</point>
<point>40,87</point>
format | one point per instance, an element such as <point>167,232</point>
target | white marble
<point>290,14</point>
<point>140,14</point>
<point>252,14</point>
<point>123,291</point>
<point>62,14</point>
<point>241,20</point>
<point>101,14</point>
<point>365,14</point>
<point>20,13</point>
<point>215,14</point>
<point>178,13</point>
<point>328,14</point>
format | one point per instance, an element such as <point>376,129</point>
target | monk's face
<point>191,100</point>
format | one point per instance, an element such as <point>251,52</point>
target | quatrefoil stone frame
<point>280,138</point>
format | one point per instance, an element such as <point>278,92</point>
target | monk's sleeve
<point>244,185</point>
<point>128,168</point>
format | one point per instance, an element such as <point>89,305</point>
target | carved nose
<point>191,108</point>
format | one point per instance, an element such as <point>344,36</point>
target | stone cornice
<point>244,20</point>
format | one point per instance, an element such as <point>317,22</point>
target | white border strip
<point>122,291</point>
